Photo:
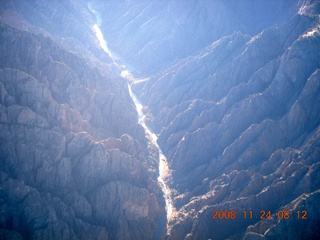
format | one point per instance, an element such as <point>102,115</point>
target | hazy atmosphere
<point>160,120</point>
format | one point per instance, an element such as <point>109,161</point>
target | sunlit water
<point>163,166</point>
<point>100,37</point>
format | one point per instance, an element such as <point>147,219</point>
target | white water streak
<point>163,165</point>
<point>100,37</point>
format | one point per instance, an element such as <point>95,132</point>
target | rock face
<point>75,163</point>
<point>238,120</point>
<point>232,89</point>
<point>239,124</point>
<point>152,35</point>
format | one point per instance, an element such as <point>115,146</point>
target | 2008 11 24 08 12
<point>263,214</point>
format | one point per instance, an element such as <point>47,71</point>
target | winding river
<point>125,73</point>
<point>163,166</point>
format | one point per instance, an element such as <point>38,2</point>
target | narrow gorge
<point>163,120</point>
<point>125,73</point>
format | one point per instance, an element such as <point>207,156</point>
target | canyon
<point>160,119</point>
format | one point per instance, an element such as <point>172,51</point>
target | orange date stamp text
<point>262,214</point>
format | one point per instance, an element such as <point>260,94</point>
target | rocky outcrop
<point>75,163</point>
<point>304,227</point>
<point>246,98</point>
<point>153,35</point>
<point>232,91</point>
<point>280,183</point>
<point>237,123</point>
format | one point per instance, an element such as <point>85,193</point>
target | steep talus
<point>239,125</point>
<point>153,35</point>
<point>230,88</point>
<point>75,163</point>
<point>250,93</point>
<point>68,23</point>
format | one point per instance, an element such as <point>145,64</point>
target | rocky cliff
<point>231,88</point>
<point>153,35</point>
<point>75,163</point>
<point>239,123</point>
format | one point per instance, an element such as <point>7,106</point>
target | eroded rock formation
<point>239,123</point>
<point>75,163</point>
<point>232,90</point>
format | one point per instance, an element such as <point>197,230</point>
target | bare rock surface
<point>75,163</point>
<point>239,123</point>
<point>232,90</point>
<point>153,35</point>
